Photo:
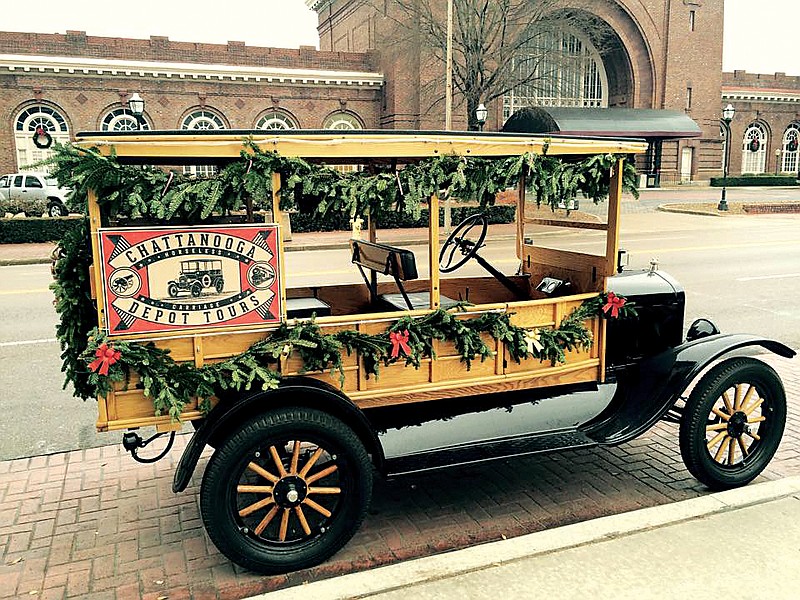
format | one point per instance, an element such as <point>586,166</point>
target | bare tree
<point>498,45</point>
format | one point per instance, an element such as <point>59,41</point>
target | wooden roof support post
<point>276,217</point>
<point>521,213</point>
<point>612,234</point>
<point>95,223</point>
<point>433,256</point>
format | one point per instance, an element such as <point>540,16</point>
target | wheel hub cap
<point>737,424</point>
<point>290,491</point>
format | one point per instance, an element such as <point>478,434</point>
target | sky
<point>759,35</point>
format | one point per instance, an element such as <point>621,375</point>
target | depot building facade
<point>660,56</point>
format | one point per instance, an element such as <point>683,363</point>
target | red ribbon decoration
<point>106,356</point>
<point>613,303</point>
<point>399,342</point>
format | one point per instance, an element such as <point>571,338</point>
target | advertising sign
<point>171,279</point>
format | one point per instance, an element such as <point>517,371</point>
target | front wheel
<point>732,423</point>
<point>286,491</point>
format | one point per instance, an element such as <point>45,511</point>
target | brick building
<point>74,82</point>
<point>661,55</point>
<point>658,54</point>
<point>765,129</point>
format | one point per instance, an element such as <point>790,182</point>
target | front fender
<point>230,413</point>
<point>648,391</point>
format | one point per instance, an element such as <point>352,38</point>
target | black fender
<point>233,410</point>
<point>646,392</point>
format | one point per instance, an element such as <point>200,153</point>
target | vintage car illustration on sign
<point>196,275</point>
<point>143,294</point>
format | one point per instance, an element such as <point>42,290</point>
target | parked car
<point>33,194</point>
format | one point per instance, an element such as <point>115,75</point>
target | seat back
<point>382,258</point>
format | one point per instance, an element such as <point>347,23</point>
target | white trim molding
<point>21,64</point>
<point>760,95</point>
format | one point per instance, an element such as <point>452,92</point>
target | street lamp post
<point>727,116</point>
<point>480,115</point>
<point>136,106</point>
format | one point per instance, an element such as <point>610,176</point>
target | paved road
<point>743,272</point>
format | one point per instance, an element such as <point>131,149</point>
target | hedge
<point>746,180</point>
<point>44,229</point>
<point>36,229</point>
<point>304,222</point>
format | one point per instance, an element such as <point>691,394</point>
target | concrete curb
<point>400,575</point>
<point>688,211</point>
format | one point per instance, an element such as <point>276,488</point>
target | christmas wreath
<point>42,138</point>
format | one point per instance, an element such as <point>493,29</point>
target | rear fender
<point>648,391</point>
<point>231,412</point>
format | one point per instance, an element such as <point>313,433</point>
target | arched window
<point>122,119</point>
<point>791,141</point>
<point>202,119</point>
<point>27,122</point>
<point>276,119</point>
<point>560,68</point>
<point>754,149</point>
<point>342,120</point>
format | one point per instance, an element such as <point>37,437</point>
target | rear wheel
<point>732,423</point>
<point>286,491</point>
<point>219,284</point>
<point>56,209</point>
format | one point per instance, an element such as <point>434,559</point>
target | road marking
<point>28,342</point>
<point>784,276</point>
<point>33,291</point>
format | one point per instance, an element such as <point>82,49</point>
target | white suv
<point>34,193</point>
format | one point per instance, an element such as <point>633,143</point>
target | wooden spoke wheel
<point>286,491</point>
<point>733,422</point>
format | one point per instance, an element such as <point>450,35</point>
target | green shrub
<point>31,207</point>
<point>36,229</point>
<point>746,180</point>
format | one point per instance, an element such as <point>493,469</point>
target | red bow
<point>106,356</point>
<point>399,342</point>
<point>613,303</point>
<point>40,130</point>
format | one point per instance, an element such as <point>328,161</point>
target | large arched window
<point>28,121</point>
<point>276,119</point>
<point>791,141</point>
<point>342,120</point>
<point>202,119</point>
<point>754,149</point>
<point>122,119</point>
<point>560,68</point>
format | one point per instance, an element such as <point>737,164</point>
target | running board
<point>485,451</point>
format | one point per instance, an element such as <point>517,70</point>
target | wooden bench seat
<point>398,263</point>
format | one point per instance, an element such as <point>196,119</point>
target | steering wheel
<point>459,240</point>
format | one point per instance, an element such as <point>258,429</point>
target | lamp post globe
<point>727,116</point>
<point>136,106</point>
<point>481,113</point>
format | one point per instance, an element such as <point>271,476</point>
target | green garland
<point>151,193</point>
<point>172,385</point>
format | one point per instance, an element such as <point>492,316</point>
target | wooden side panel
<point>445,376</point>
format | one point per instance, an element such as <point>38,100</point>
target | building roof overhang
<point>603,122</point>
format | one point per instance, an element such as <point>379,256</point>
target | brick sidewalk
<point>94,524</point>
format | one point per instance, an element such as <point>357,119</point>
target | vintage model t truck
<point>303,392</point>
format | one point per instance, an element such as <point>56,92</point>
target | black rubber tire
<point>197,289</point>
<point>219,284</point>
<point>56,210</point>
<point>172,290</point>
<point>693,429</point>
<point>220,501</point>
